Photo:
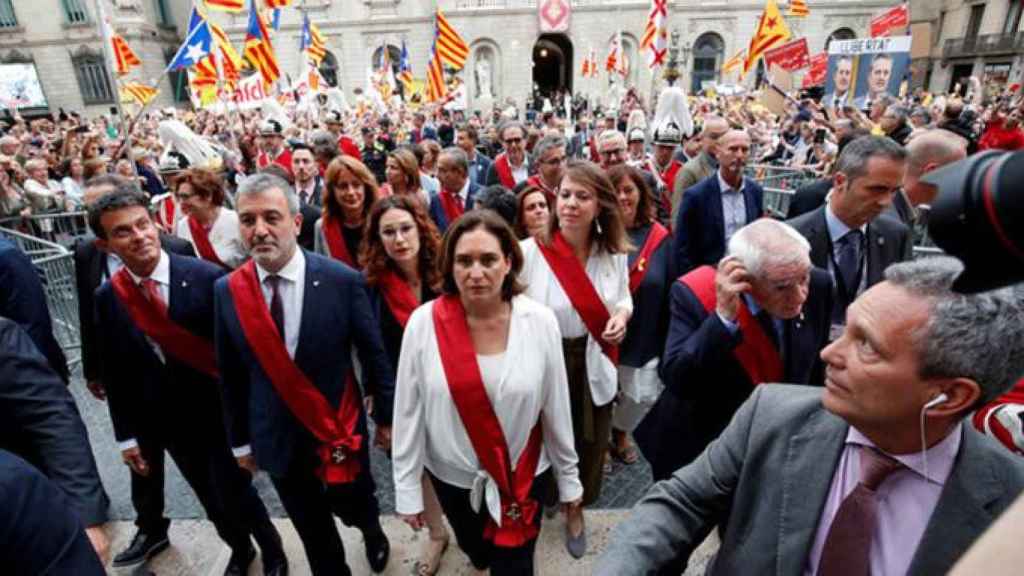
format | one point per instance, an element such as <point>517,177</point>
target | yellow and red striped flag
<point>735,62</point>
<point>452,49</point>
<point>317,48</point>
<point>436,89</point>
<point>655,38</point>
<point>226,5</point>
<point>771,31</point>
<point>258,49</point>
<point>278,3</point>
<point>124,58</point>
<point>798,8</point>
<point>138,92</point>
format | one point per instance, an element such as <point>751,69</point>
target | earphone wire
<point>924,444</point>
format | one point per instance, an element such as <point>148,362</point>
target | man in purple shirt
<point>875,473</point>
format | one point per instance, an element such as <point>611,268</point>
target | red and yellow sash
<point>202,242</point>
<point>336,241</point>
<point>458,358</point>
<point>756,353</point>
<point>154,321</point>
<point>641,265</point>
<point>336,429</point>
<point>580,290</point>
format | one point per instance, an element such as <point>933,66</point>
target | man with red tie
<point>272,148</point>
<point>457,193</point>
<point>161,373</point>
<point>286,324</point>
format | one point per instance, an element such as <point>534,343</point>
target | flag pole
<point>108,58</point>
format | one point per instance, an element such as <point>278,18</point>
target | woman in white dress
<point>578,269</point>
<point>211,227</point>
<point>482,403</point>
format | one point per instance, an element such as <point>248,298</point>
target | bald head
<point>714,128</point>
<point>928,151</point>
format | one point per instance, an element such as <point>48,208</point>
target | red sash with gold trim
<point>335,429</point>
<point>756,353</point>
<point>398,296</point>
<point>504,171</point>
<point>202,242</point>
<point>451,206</point>
<point>580,290</point>
<point>177,342</point>
<point>336,241</point>
<point>640,266</point>
<point>458,358</point>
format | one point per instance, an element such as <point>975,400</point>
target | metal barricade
<point>57,272</point>
<point>781,177</point>
<point>63,228</point>
<point>776,202</point>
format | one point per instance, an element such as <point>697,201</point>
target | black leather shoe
<point>239,564</point>
<point>378,550</point>
<point>143,547</point>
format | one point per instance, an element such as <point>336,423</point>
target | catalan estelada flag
<point>124,58</point>
<point>138,92</point>
<point>258,49</point>
<point>452,49</point>
<point>771,32</point>
<point>226,5</point>
<point>798,8</point>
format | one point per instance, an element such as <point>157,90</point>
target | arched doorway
<point>840,34</point>
<point>552,64</point>
<point>329,69</point>
<point>394,59</point>
<point>707,59</point>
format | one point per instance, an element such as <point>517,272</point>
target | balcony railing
<point>1007,43</point>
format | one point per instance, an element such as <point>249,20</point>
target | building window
<point>75,12</point>
<point>974,22</point>
<point>7,18</point>
<point>163,14</point>
<point>1013,18</point>
<point>707,59</point>
<point>93,81</point>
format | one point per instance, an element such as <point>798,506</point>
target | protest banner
<point>863,69</point>
<point>791,56</point>
<point>894,20</point>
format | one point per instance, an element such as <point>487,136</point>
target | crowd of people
<point>516,300</point>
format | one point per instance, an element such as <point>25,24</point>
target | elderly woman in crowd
<point>12,198</point>
<point>532,211</point>
<point>400,256</point>
<point>73,182</point>
<point>650,277</point>
<point>348,194</point>
<point>43,194</point>
<point>211,227</point>
<point>578,268</point>
<point>403,176</point>
<point>482,402</point>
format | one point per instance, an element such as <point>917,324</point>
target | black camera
<point>978,216</point>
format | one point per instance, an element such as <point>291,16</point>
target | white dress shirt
<point>609,274</point>
<point>162,276</point>
<point>734,206</point>
<point>520,173</point>
<point>290,289</point>
<point>224,237</point>
<point>528,382</point>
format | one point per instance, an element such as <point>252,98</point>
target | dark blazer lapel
<point>806,480</point>
<point>876,254</point>
<point>714,208</point>
<point>818,237</point>
<point>310,303</point>
<point>178,290</point>
<point>963,511</point>
<point>750,201</point>
<point>97,265</point>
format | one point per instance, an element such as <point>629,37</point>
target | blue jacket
<point>336,315</point>
<point>437,210</point>
<point>478,168</point>
<point>700,223</point>
<point>141,389</point>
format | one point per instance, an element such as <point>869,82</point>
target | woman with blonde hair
<point>402,173</point>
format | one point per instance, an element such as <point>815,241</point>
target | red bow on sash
<point>642,263</point>
<point>334,428</point>
<point>458,358</point>
<point>336,241</point>
<point>452,205</point>
<point>501,166</point>
<point>580,290</point>
<point>154,321</point>
<point>756,353</point>
<point>398,296</point>
<point>202,241</point>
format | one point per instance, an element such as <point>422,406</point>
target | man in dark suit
<point>39,531</point>
<point>157,318</point>
<point>847,236</point>
<point>286,323</point>
<point>809,197</point>
<point>925,152</point>
<point>468,138</point>
<point>718,206</point>
<point>93,267</point>
<point>23,300</point>
<point>877,472</point>
<point>458,191</point>
<point>766,298</point>
<point>310,212</point>
<point>513,165</point>
<point>308,183</point>
<point>40,423</point>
